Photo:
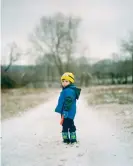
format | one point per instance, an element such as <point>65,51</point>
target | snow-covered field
<point>34,139</point>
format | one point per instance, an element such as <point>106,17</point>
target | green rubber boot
<point>73,138</point>
<point>65,137</point>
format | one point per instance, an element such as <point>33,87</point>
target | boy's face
<point>65,83</point>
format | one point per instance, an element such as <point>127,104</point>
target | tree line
<point>54,45</point>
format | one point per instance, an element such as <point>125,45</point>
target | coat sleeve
<point>59,107</point>
<point>68,100</point>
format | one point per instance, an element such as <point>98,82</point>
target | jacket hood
<point>77,90</point>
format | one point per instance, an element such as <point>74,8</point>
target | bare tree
<point>14,55</point>
<point>56,37</point>
<point>127,46</point>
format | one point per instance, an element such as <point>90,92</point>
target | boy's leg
<point>72,132</point>
<point>65,135</point>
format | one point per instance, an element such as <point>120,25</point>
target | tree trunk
<point>132,68</point>
<point>126,78</point>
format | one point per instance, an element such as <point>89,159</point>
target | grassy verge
<point>115,102</point>
<point>110,95</point>
<point>16,101</point>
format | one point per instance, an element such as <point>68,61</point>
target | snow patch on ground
<point>35,139</point>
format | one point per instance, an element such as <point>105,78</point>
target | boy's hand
<point>65,114</point>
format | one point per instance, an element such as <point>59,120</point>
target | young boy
<point>67,107</point>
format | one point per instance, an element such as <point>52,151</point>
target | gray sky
<point>104,23</point>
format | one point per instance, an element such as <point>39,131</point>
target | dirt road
<point>34,139</point>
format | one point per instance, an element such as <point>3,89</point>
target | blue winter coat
<point>67,100</point>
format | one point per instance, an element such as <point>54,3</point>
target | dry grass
<point>17,101</point>
<point>110,95</point>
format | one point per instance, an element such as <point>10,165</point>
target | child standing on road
<point>67,107</point>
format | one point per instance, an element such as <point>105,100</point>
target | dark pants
<point>68,125</point>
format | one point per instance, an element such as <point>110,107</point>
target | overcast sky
<point>104,23</point>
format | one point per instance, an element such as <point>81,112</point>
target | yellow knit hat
<point>68,76</point>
